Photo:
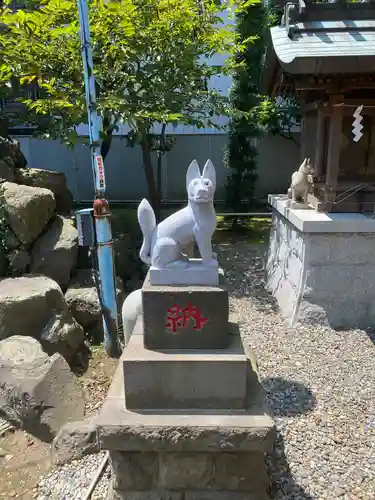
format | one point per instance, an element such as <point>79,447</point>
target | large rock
<point>37,393</point>
<point>64,202</point>
<point>37,177</point>
<point>75,440</point>
<point>54,181</point>
<point>11,240</point>
<point>35,306</point>
<point>28,209</point>
<point>18,261</point>
<point>11,148</point>
<point>6,170</point>
<point>3,264</point>
<point>55,252</point>
<point>82,299</point>
<point>127,260</point>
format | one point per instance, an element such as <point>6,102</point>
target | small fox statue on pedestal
<point>301,179</point>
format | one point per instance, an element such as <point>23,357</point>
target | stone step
<point>184,379</point>
<point>187,454</point>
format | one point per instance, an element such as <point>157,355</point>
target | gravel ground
<point>71,481</point>
<point>320,385</point>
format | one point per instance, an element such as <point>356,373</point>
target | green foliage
<point>150,61</point>
<point>255,113</point>
<point>244,127</point>
<point>278,118</point>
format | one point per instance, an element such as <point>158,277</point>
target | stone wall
<point>340,279</point>
<point>323,271</point>
<point>49,305</point>
<point>285,263</point>
<point>39,253</point>
<point>188,476</point>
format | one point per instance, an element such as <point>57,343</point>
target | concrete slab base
<point>175,379</point>
<point>321,267</point>
<point>187,454</point>
<point>193,273</point>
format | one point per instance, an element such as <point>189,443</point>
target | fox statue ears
<point>306,162</point>
<point>194,173</point>
<point>209,172</point>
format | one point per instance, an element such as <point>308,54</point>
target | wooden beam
<point>319,145</point>
<point>334,84</point>
<point>334,138</point>
<point>303,138</point>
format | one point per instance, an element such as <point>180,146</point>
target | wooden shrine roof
<point>304,45</point>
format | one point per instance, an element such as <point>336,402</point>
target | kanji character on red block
<point>179,318</point>
<point>174,318</point>
<point>194,313</point>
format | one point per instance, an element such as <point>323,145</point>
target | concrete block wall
<point>339,284</point>
<point>285,263</point>
<point>322,277</point>
<point>188,476</point>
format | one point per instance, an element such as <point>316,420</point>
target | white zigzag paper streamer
<point>357,127</point>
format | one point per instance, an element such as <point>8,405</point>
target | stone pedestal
<point>185,417</point>
<point>321,267</point>
<point>175,379</point>
<point>185,317</point>
<point>187,454</point>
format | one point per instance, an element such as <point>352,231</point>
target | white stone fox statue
<point>163,244</point>
<point>299,186</point>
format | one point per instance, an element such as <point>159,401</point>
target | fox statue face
<point>201,187</point>
<point>306,167</point>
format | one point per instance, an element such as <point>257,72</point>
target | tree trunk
<point>151,184</point>
<point>106,143</point>
<point>160,161</point>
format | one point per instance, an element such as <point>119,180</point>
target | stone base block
<point>298,205</point>
<point>195,273</point>
<point>321,266</point>
<point>175,379</point>
<point>187,454</point>
<point>115,494</point>
<point>185,317</point>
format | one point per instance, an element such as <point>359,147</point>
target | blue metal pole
<point>102,215</point>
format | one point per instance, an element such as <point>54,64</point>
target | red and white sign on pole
<point>100,180</point>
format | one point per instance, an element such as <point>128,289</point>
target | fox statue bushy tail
<point>147,222</point>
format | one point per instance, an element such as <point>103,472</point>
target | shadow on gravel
<point>245,274</point>
<point>282,485</point>
<point>371,334</point>
<point>288,398</point>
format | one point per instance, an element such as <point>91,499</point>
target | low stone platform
<point>187,454</point>
<point>176,379</point>
<point>321,267</point>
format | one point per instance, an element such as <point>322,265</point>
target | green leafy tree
<point>244,128</point>
<point>151,63</point>
<point>253,112</point>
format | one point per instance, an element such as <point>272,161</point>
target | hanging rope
<point>349,192</point>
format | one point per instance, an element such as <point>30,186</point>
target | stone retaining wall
<point>327,276</point>
<point>187,476</point>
